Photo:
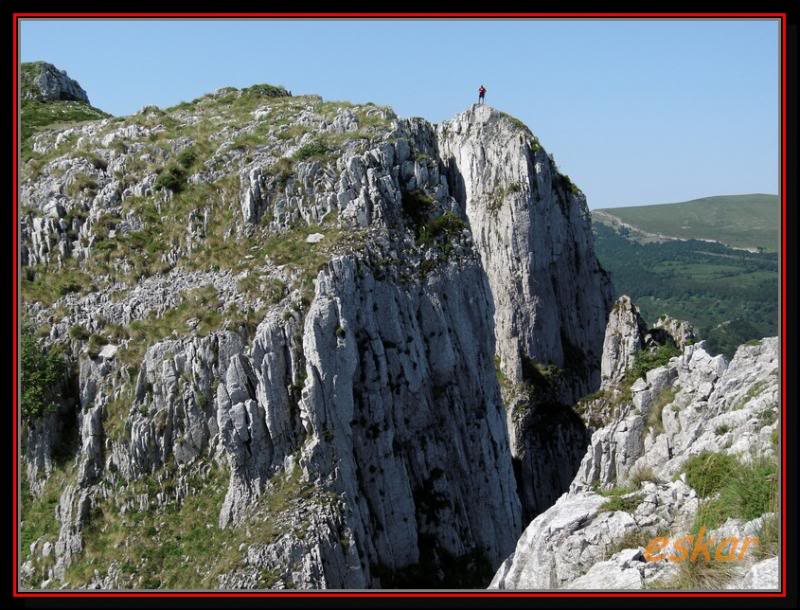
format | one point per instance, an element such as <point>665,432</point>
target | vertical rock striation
<point>532,229</point>
<point>625,336</point>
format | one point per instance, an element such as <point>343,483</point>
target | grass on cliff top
<point>201,304</point>
<point>181,547</point>
<point>731,489</point>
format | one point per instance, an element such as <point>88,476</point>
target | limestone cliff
<point>532,228</point>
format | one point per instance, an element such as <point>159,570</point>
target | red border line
<point>410,594</point>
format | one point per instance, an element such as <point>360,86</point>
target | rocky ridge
<point>278,302</point>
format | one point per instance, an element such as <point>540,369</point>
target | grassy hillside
<point>731,296</point>
<point>39,115</point>
<point>36,115</point>
<point>740,221</point>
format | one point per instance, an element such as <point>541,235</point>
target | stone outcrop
<point>532,228</point>
<point>46,83</point>
<point>697,403</point>
<point>680,331</point>
<point>624,338</point>
<point>376,394</point>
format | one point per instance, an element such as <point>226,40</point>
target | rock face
<point>532,228</point>
<point>46,83</point>
<point>681,332</point>
<point>625,337</point>
<point>341,397</point>
<point>696,404</point>
<point>419,467</point>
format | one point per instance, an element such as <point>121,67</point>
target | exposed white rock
<point>108,351</point>
<point>764,575</point>
<point>532,229</point>
<point>50,83</point>
<point>624,338</point>
<point>565,546</point>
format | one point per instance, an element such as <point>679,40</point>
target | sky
<point>635,112</point>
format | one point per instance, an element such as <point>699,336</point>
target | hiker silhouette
<point>481,94</point>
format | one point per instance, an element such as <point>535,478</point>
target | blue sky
<point>634,111</point>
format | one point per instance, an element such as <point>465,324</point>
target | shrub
<point>282,169</point>
<point>709,472</point>
<point>96,161</point>
<point>187,158</point>
<point>642,475</point>
<point>567,184</point>
<point>626,503</point>
<point>417,206</point>
<point>80,183</point>
<point>265,90</point>
<point>95,344</point>
<point>767,416</point>
<point>171,178</point>
<point>445,226</point>
<point>311,150</point>
<point>42,372</point>
<point>340,332</point>
<point>78,333</point>
<point>647,360</point>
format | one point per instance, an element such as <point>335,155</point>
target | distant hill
<point>731,296</point>
<point>739,221</point>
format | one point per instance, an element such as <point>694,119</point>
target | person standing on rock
<point>481,94</point>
